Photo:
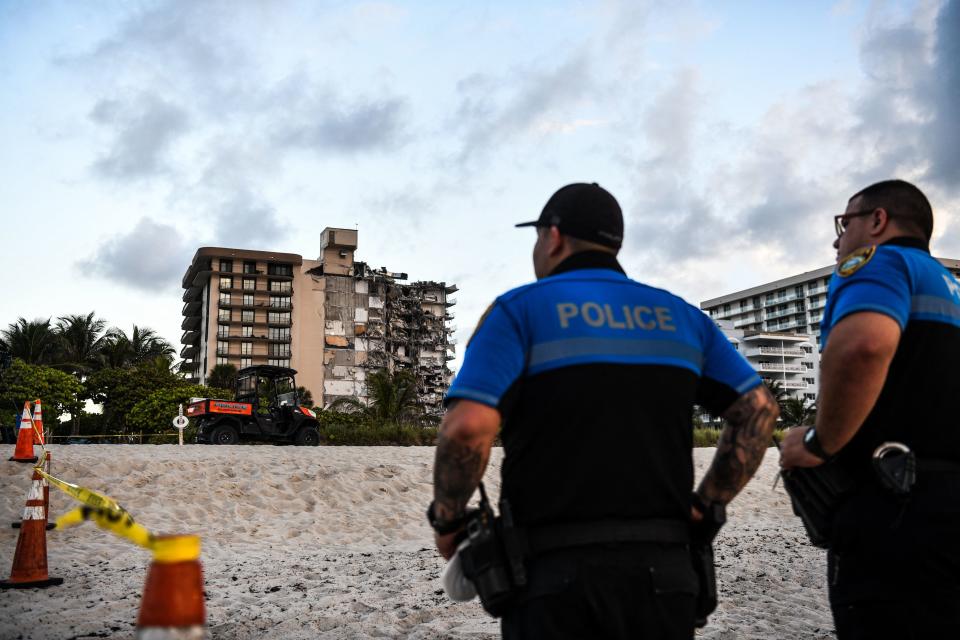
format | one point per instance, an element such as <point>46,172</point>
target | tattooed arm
<point>743,442</point>
<point>463,449</point>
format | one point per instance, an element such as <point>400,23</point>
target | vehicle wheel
<point>308,437</point>
<point>224,434</point>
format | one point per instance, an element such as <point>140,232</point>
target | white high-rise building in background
<point>789,310</point>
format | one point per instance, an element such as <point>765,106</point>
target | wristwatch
<point>812,444</point>
<point>443,527</point>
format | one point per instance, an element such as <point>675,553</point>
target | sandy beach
<point>331,542</point>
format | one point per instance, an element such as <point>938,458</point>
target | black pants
<point>627,591</point>
<point>925,616</point>
<point>894,571</point>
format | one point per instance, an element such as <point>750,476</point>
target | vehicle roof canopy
<point>267,371</point>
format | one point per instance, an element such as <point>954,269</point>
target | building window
<point>226,282</point>
<point>223,347</point>
<point>277,317</point>
<point>223,315</point>
<point>247,315</point>
<point>226,266</point>
<point>279,362</point>
<point>279,302</point>
<point>280,270</point>
<point>279,350</point>
<point>281,286</point>
<point>223,331</point>
<point>249,267</point>
<point>246,362</point>
<point>224,298</point>
<point>246,348</point>
<point>279,333</point>
<point>249,284</point>
<point>248,299</point>
<point>808,380</point>
<point>223,360</point>
<point>246,331</point>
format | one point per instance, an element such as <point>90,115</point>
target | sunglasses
<point>841,221</point>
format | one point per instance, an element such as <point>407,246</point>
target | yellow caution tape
<point>107,514</point>
<point>101,509</point>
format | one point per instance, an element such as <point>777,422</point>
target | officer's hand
<point>793,453</point>
<point>695,515</point>
<point>446,544</point>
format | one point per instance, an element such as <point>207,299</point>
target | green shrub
<point>707,437</point>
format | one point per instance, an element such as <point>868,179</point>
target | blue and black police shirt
<point>918,402</point>
<point>595,376</point>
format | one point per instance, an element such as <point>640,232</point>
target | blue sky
<point>731,132</point>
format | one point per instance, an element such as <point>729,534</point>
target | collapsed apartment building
<point>334,319</point>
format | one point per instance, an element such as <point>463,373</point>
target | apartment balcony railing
<point>774,301</point>
<point>776,351</point>
<point>774,366</point>
<point>280,304</point>
<point>784,312</point>
<point>788,384</point>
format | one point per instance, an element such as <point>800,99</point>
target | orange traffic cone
<point>38,436</point>
<point>46,500</point>
<point>24,449</point>
<point>172,604</point>
<point>30,558</point>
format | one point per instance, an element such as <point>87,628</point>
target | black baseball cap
<point>585,211</point>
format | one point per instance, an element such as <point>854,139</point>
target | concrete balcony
<point>783,368</point>
<point>775,351</point>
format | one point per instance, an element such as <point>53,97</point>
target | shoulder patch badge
<point>855,261</point>
<point>481,321</point>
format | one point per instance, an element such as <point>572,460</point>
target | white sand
<point>331,542</point>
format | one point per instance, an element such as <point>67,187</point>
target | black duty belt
<point>933,465</point>
<point>562,536</point>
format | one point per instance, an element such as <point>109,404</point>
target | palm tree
<point>33,341</point>
<point>795,411</point>
<point>392,398</point>
<point>142,345</point>
<point>80,338</point>
<point>306,398</point>
<point>775,387</point>
<point>223,376</point>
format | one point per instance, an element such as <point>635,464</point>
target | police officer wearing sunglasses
<point>886,420</point>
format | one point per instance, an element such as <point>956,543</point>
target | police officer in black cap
<point>886,421</point>
<point>593,377</point>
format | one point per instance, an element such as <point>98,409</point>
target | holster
<point>494,559</point>
<point>702,535</point>
<point>816,493</point>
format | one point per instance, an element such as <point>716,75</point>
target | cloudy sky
<point>135,132</point>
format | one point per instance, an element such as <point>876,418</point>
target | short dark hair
<point>904,201</point>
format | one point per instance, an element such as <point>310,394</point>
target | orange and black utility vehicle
<point>266,408</point>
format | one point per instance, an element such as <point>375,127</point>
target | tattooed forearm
<point>743,442</point>
<point>456,473</point>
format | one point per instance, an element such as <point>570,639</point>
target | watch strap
<point>811,442</point>
<point>444,527</point>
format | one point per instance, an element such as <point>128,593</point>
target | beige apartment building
<point>333,319</point>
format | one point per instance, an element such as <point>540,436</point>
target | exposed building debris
<point>375,320</point>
